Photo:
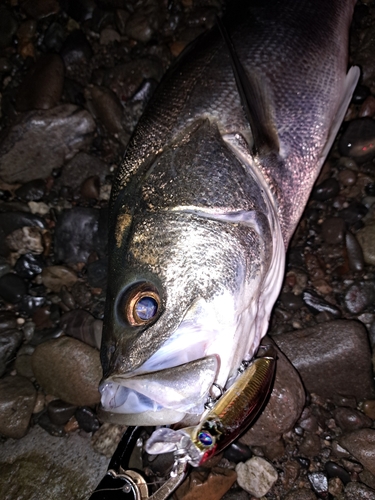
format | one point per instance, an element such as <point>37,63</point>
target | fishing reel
<point>125,481</point>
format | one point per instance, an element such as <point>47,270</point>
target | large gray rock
<point>69,370</point>
<point>332,358</point>
<point>17,400</point>
<point>41,466</point>
<point>42,141</point>
<point>284,406</point>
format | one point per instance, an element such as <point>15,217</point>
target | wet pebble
<point>358,139</point>
<point>367,108</point>
<point>43,85</point>
<point>76,234</point>
<point>347,177</point>
<point>17,400</point>
<point>355,253</point>
<point>353,213</point>
<point>68,369</point>
<point>361,444</point>
<point>366,238</point>
<point>356,491</point>
<point>33,148</point>
<point>26,239</point>
<point>32,190</point>
<point>142,24</point>
<point>310,445</point>
<point>256,476</point>
<point>291,301</point>
<point>60,412</point>
<point>319,483</point>
<point>29,265</point>
<point>326,190</point>
<point>335,470</point>
<point>360,93</point>
<point>87,419</point>
<point>359,296</point>
<point>55,277</point>
<point>206,484</point>
<point>83,326</point>
<point>90,188</point>
<point>52,428</point>
<point>10,340</point>
<point>346,355</point>
<point>12,288</point>
<point>368,408</point>
<point>106,439</point>
<point>349,419</point>
<point>237,452</point>
<point>333,230</point>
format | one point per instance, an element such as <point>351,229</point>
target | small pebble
<point>355,253</point>
<point>368,408</point>
<point>45,422</point>
<point>87,419</point>
<point>326,190</point>
<point>349,419</point>
<point>60,412</point>
<point>358,140</point>
<point>55,277</point>
<point>256,476</point>
<point>335,470</point>
<point>29,265</point>
<point>237,452</point>
<point>319,483</point>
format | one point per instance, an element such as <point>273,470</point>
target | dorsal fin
<point>254,101</point>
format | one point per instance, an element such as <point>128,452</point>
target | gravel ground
<point>75,78</point>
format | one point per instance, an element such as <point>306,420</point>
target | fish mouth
<point>152,397</point>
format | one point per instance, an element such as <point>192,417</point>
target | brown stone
<point>332,358</point>
<point>361,444</point>
<point>68,369</point>
<point>55,277</point>
<point>206,485</point>
<point>17,401</point>
<point>283,408</point>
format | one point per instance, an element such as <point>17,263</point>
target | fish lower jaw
<point>162,397</point>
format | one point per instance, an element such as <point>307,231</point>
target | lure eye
<point>142,305</point>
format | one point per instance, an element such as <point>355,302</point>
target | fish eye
<point>142,304</point>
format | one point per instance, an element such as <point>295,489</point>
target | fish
<point>212,185</point>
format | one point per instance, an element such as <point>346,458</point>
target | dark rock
<point>349,419</point>
<point>76,233</point>
<point>17,399</point>
<point>319,483</point>
<point>335,470</point>
<point>8,27</point>
<point>368,408</point>
<point>32,190</point>
<point>68,369</point>
<point>326,190</point>
<point>360,93</point>
<point>336,352</point>
<point>29,303</point>
<point>356,491</point>
<point>283,408</point>
<point>45,423</point>
<point>12,288</point>
<point>358,140</point>
<point>29,265</point>
<point>359,296</point>
<point>54,37</point>
<point>361,444</point>
<point>353,213</point>
<point>60,412</point>
<point>291,301</point>
<point>10,221</point>
<point>43,85</point>
<point>90,188</point>
<point>347,177</point>
<point>87,419</point>
<point>83,165</point>
<point>41,336</point>
<point>355,253</point>
<point>40,9</point>
<point>33,148</point>
<point>10,340</point>
<point>333,230</point>
<point>237,452</point>
<point>317,304</point>
<point>83,326</point>
<point>76,49</point>
<point>97,273</point>
<point>310,446</point>
<point>366,238</point>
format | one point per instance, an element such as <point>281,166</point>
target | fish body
<point>205,202</point>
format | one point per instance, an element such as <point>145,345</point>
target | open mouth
<point>182,389</point>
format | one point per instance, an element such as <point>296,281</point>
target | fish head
<point>188,297</point>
